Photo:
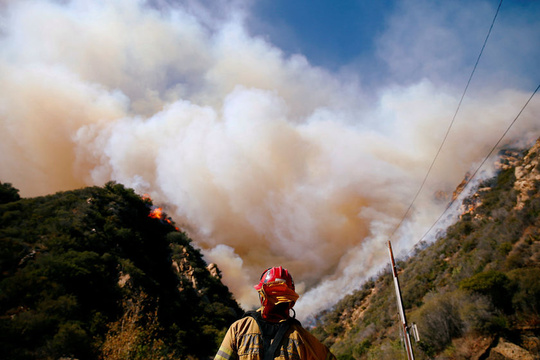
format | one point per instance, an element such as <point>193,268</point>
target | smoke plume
<point>263,158</point>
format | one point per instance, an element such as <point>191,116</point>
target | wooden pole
<point>405,328</point>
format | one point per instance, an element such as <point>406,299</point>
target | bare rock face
<point>183,267</point>
<point>528,176</point>
<point>508,159</point>
<point>509,351</point>
<point>214,270</point>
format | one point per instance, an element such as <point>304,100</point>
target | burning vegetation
<point>157,212</point>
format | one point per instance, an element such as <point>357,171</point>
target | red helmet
<point>275,275</point>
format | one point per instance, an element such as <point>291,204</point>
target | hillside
<point>97,273</point>
<point>89,274</point>
<point>474,293</point>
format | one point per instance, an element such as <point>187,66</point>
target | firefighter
<point>270,332</point>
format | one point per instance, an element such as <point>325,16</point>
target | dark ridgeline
<point>88,274</point>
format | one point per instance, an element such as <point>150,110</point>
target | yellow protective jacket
<point>244,340</point>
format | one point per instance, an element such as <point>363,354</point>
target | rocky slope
<point>473,294</point>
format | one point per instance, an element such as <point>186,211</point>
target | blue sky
<point>446,35</point>
<point>329,33</point>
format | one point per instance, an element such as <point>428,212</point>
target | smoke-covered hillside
<point>473,294</point>
<point>98,273</point>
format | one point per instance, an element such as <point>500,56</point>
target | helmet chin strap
<point>294,313</point>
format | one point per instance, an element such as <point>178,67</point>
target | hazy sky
<point>290,133</point>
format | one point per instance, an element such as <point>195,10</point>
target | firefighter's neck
<point>276,313</point>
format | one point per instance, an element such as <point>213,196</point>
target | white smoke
<point>263,158</point>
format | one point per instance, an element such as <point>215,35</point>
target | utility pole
<point>405,328</point>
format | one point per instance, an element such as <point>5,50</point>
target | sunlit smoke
<point>261,157</point>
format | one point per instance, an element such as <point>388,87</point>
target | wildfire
<point>157,212</point>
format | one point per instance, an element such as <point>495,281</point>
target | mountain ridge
<point>86,273</point>
<point>83,271</point>
<point>473,292</point>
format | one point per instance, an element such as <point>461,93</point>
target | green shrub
<point>361,348</point>
<point>439,320</point>
<point>8,193</point>
<point>526,297</point>
<point>493,284</point>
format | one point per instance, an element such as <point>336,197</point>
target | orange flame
<point>157,213</point>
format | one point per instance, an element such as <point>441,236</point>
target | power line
<point>483,162</point>
<point>451,124</point>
